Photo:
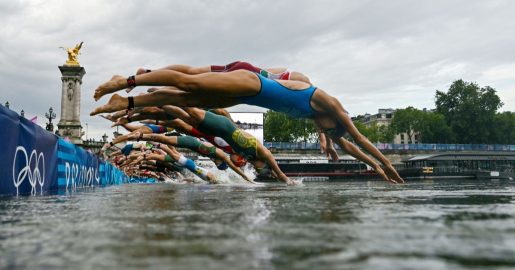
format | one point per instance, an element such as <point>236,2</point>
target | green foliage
<point>409,121</point>
<point>431,127</point>
<point>470,111</point>
<point>504,131</point>
<point>375,133</point>
<point>279,127</point>
<point>434,129</point>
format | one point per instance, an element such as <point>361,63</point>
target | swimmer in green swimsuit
<point>203,148</point>
<point>241,142</point>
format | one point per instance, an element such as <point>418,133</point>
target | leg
<point>180,68</point>
<point>166,97</point>
<point>140,130</point>
<point>231,84</point>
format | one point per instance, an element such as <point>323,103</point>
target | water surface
<point>346,225</point>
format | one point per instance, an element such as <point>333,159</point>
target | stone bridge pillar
<point>69,125</point>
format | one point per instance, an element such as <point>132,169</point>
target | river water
<point>347,225</point>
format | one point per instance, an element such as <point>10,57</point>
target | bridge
<point>394,152</point>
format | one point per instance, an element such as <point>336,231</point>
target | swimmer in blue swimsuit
<point>215,90</point>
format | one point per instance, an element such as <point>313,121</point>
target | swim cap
<point>238,160</point>
<point>222,166</point>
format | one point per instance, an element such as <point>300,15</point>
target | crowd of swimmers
<point>184,109</point>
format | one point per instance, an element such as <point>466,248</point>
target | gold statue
<point>72,55</point>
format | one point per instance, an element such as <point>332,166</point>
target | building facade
<point>384,117</point>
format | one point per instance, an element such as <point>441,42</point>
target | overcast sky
<point>369,54</point>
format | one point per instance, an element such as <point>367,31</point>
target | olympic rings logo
<point>28,171</point>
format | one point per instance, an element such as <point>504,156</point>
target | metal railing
<point>407,147</point>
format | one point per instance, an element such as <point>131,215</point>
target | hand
<point>322,148</point>
<point>332,154</point>
<point>393,174</point>
<point>383,175</point>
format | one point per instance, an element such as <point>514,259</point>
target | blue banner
<point>35,161</point>
<point>28,156</point>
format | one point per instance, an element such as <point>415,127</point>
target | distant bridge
<point>391,147</point>
<point>249,125</point>
<point>394,152</point>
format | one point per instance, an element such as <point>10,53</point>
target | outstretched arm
<point>369,147</point>
<point>358,154</point>
<point>160,138</point>
<point>265,154</point>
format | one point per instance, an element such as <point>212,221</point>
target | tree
<point>470,111</point>
<point>375,133</point>
<point>434,129</point>
<point>279,127</point>
<point>409,121</point>
<point>504,131</point>
<point>276,127</point>
<point>303,130</point>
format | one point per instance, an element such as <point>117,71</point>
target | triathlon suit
<point>158,129</point>
<point>247,66</point>
<point>194,144</point>
<point>275,96</point>
<point>217,141</point>
<point>242,142</point>
<point>190,165</point>
<point>126,150</point>
<point>161,166</point>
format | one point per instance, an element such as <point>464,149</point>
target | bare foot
<point>393,174</point>
<point>107,116</point>
<point>115,116</point>
<point>141,71</point>
<point>114,104</point>
<point>116,83</point>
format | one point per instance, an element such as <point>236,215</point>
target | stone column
<point>69,125</point>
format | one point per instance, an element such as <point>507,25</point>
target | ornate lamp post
<point>50,115</point>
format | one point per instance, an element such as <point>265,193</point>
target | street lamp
<point>50,115</point>
<point>104,137</point>
<point>22,113</point>
<point>7,104</point>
